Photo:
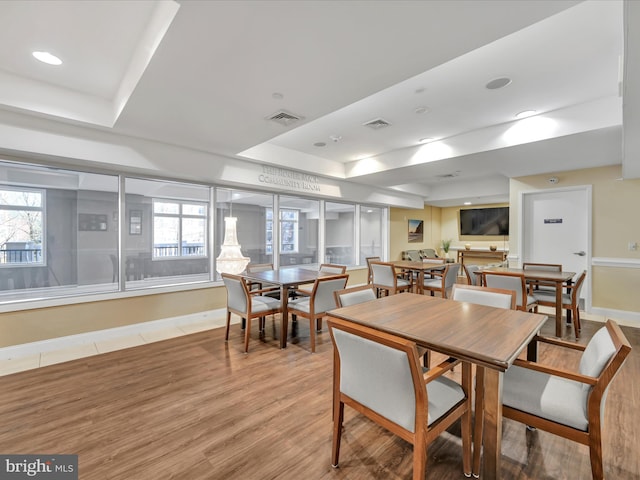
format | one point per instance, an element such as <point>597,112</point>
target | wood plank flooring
<point>194,408</point>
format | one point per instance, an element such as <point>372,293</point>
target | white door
<point>556,228</point>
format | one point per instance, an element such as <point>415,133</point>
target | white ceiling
<point>202,74</point>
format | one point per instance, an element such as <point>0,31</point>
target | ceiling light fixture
<point>335,138</point>
<point>467,203</point>
<point>525,114</point>
<point>231,259</point>
<point>421,110</point>
<point>498,83</point>
<point>319,144</point>
<point>277,95</point>
<point>46,57</point>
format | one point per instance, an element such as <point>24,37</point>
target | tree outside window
<point>21,226</point>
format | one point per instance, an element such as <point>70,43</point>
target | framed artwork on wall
<point>416,228</point>
<point>135,222</point>
<point>91,222</point>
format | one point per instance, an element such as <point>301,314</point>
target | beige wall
<point>399,227</point>
<point>615,223</point>
<point>46,323</point>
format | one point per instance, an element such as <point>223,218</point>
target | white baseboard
<point>623,317</point>
<point>53,344</point>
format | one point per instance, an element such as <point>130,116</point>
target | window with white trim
<point>21,226</point>
<point>288,231</point>
<point>179,229</point>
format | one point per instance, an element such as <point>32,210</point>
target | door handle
<point>581,253</point>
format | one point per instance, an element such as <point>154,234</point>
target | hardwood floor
<point>195,408</point>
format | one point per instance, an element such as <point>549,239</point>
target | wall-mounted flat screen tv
<point>484,221</point>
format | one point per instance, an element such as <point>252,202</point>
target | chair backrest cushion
<point>506,282</point>
<point>348,298</point>
<point>482,297</point>
<point>236,295</point>
<point>383,274</point>
<point>259,267</point>
<point>597,354</point>
<point>333,269</point>
<point>377,376</point>
<point>472,278</point>
<point>452,274</point>
<point>324,299</point>
<point>548,267</point>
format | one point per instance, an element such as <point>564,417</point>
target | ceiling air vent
<point>377,123</point>
<point>448,175</point>
<point>284,118</point>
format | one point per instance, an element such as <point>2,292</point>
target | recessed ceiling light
<point>319,144</point>
<point>526,113</point>
<point>46,57</point>
<point>277,95</point>
<point>467,203</point>
<point>426,140</point>
<point>498,83</point>
<point>335,138</point>
<point>420,110</point>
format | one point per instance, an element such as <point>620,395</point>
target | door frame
<point>588,190</point>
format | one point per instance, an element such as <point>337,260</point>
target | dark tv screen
<point>484,221</point>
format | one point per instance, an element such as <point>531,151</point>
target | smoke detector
<point>553,180</point>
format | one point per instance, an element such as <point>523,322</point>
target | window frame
<point>281,242</point>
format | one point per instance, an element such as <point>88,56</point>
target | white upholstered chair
<point>472,277</point>
<point>247,306</point>
<point>315,306</point>
<point>567,403</point>
<point>325,268</point>
<point>354,295</point>
<point>379,375</point>
<point>570,300</point>
<point>512,281</point>
<point>385,278</point>
<point>442,281</point>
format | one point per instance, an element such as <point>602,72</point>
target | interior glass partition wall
<point>299,220</point>
<point>340,233</point>
<point>255,227</point>
<point>166,233</point>
<point>372,229</point>
<point>58,232</point>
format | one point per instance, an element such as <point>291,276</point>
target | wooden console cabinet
<point>498,256</point>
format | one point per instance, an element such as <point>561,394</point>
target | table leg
<point>492,425</point>
<point>479,417</point>
<point>284,321</point>
<point>559,309</point>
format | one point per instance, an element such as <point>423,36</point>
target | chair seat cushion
<point>301,304</point>
<point>443,394</point>
<point>435,283</point>
<point>307,287</point>
<point>260,303</point>
<point>547,396</point>
<point>402,283</point>
<point>550,296</point>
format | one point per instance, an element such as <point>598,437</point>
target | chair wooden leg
<point>595,453</point>
<point>312,335</point>
<point>247,334</point>
<point>576,322</point>
<point>419,456</point>
<point>338,416</point>
<point>226,333</point>
<point>319,324</point>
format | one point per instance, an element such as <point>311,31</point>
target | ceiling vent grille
<point>448,175</point>
<point>284,118</point>
<point>377,123</point>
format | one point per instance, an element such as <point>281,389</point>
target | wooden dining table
<point>558,278</point>
<point>287,278</point>
<point>420,268</point>
<point>491,338</point>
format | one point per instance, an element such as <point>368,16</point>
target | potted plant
<point>445,245</point>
